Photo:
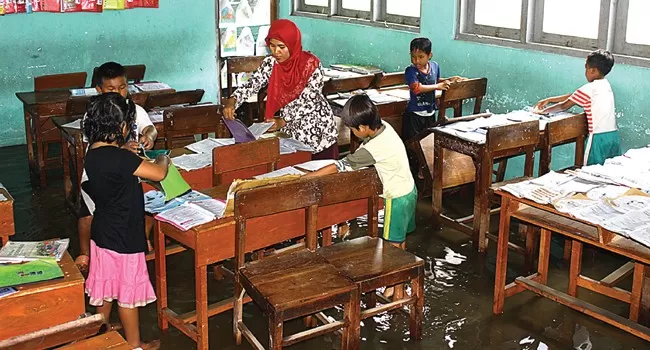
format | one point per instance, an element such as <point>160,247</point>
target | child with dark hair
<point>382,148</point>
<point>111,78</point>
<point>118,270</point>
<point>597,99</point>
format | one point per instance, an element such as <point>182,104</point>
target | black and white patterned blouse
<point>308,118</point>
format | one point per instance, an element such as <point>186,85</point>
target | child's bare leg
<point>130,324</point>
<point>105,310</point>
<point>397,291</point>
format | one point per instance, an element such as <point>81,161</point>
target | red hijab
<point>289,78</point>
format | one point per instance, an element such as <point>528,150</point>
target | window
<point>402,14</point>
<point>564,26</point>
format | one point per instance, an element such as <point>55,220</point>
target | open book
<point>190,214</point>
<point>28,251</point>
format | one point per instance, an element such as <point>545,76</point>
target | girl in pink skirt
<point>118,270</point>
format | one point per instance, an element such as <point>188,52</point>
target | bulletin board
<point>10,7</point>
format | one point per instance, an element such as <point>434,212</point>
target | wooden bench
<point>237,65</point>
<point>55,335</point>
<point>182,123</point>
<point>457,93</point>
<point>107,341</point>
<point>244,160</point>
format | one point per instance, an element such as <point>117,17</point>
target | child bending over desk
<point>112,78</point>
<point>382,148</point>
<point>118,270</point>
<point>597,99</point>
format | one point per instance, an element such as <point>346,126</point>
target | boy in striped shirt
<point>597,100</point>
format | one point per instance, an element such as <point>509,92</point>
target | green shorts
<point>603,146</point>
<point>399,216</point>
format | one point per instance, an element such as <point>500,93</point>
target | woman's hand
<point>279,124</point>
<point>229,108</point>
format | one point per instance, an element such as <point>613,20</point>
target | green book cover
<point>29,272</point>
<point>174,185</point>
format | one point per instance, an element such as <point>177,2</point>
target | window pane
<point>638,26</point>
<point>410,8</point>
<point>359,5</point>
<point>572,17</point>
<point>323,3</point>
<point>498,13</point>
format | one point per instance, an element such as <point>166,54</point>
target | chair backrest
<point>301,196</point>
<point>235,65</point>
<point>562,131</point>
<point>182,122</point>
<point>335,189</point>
<point>57,335</point>
<point>189,97</point>
<point>348,84</point>
<point>389,79</point>
<point>244,160</point>
<point>459,91</point>
<point>60,81</point>
<point>134,73</point>
<point>513,139</point>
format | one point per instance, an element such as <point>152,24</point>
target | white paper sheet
<point>257,129</point>
<point>216,207</point>
<point>289,145</point>
<point>280,172</point>
<point>207,145</point>
<point>314,165</point>
<point>156,116</point>
<point>151,86</point>
<point>186,216</point>
<point>190,162</point>
<point>75,124</point>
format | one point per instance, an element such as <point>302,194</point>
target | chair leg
<point>351,338</point>
<point>276,324</point>
<point>237,312</point>
<point>501,170</point>
<point>531,243</point>
<point>371,299</point>
<point>567,250</point>
<point>417,308</point>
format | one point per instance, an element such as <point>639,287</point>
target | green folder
<point>29,272</point>
<point>153,153</point>
<point>174,185</point>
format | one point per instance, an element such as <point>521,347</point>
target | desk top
<point>7,195</point>
<point>63,95</point>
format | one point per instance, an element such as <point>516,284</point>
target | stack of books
<point>28,262</point>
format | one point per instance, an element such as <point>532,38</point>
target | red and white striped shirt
<point>597,99</point>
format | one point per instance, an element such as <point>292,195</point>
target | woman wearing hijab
<point>295,92</point>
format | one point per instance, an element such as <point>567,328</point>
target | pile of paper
<point>209,144</point>
<point>14,252</point>
<point>154,201</point>
<point>190,162</point>
<point>280,172</point>
<point>289,145</point>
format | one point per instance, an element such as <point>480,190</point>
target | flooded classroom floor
<point>458,286</point>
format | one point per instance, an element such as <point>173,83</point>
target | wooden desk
<point>482,159</point>
<point>44,304</point>
<point>7,227</point>
<point>214,242</point>
<point>38,108</point>
<point>580,232</point>
<point>107,341</point>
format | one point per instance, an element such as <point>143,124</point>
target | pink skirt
<point>121,277</point>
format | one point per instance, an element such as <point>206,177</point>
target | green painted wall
<point>516,78</point>
<point>178,47</point>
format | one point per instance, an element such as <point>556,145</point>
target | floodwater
<point>458,287</point>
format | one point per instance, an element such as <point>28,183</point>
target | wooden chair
<point>294,281</point>
<point>348,84</point>
<point>106,341</point>
<point>188,97</point>
<point>560,132</point>
<point>244,160</point>
<point>370,261</point>
<point>57,335</point>
<point>457,93</point>
<point>60,81</point>
<point>237,65</point>
<point>134,74</point>
<point>182,123</point>
<point>389,79</point>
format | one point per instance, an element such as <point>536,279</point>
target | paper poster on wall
<point>92,5</point>
<point>244,14</point>
<point>229,41</point>
<point>246,43</point>
<point>260,44</point>
<point>130,4</point>
<point>262,12</point>
<point>226,13</point>
<point>114,4</point>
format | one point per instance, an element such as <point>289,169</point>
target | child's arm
<point>154,171</point>
<point>557,99</point>
<point>558,107</point>
<point>421,89</point>
<point>148,137</point>
<point>330,169</point>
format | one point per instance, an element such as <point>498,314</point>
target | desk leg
<point>436,197</point>
<point>481,201</point>
<point>544,254</point>
<point>29,137</point>
<point>644,309</point>
<point>67,183</point>
<point>576,267</point>
<point>502,256</point>
<point>40,157</point>
<point>201,285</point>
<point>637,290</point>
<point>161,276</point>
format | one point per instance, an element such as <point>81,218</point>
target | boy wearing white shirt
<point>597,99</point>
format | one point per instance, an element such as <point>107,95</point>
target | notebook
<point>173,184</point>
<point>239,131</point>
<point>29,272</point>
